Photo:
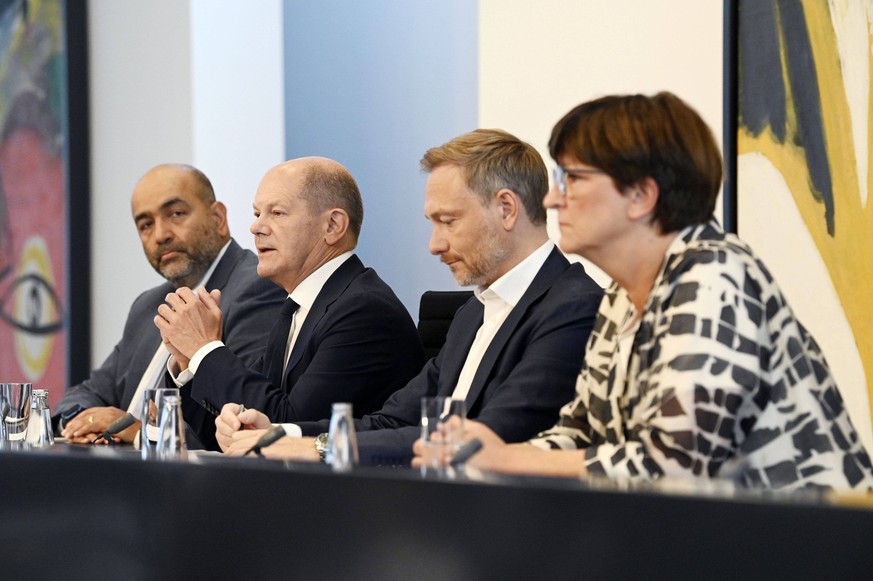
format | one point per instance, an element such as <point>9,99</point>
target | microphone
<point>466,452</point>
<point>268,438</point>
<point>118,425</point>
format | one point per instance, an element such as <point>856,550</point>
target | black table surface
<point>83,513</point>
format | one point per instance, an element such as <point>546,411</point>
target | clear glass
<point>342,444</point>
<point>39,426</point>
<point>442,433</point>
<point>15,410</point>
<point>152,403</point>
<point>171,431</point>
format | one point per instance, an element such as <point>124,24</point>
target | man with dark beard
<point>513,352</point>
<point>185,236</point>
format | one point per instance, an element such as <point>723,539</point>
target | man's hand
<point>231,420</point>
<point>91,422</point>
<point>188,321</point>
<point>300,449</point>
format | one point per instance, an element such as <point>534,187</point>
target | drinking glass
<point>15,410</point>
<point>171,430</point>
<point>152,403</point>
<point>442,433</point>
<point>39,425</point>
<point>342,444</point>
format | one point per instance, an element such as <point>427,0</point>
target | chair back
<point>435,314</point>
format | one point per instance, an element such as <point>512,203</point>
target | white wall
<point>238,95</point>
<point>188,81</point>
<point>538,63</point>
<point>140,101</point>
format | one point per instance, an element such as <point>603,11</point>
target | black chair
<point>435,314</point>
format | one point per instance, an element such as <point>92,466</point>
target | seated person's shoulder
<point>719,262</point>
<point>576,284</point>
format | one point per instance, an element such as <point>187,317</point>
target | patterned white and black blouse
<point>722,381</point>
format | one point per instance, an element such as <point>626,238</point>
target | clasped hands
<point>90,423</point>
<point>237,432</point>
<point>188,320</point>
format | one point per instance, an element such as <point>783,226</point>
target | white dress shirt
<point>499,300</point>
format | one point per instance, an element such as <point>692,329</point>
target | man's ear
<point>336,226</point>
<point>219,218</point>
<point>509,205</point>
<point>643,198</point>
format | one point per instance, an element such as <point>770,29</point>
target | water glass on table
<point>171,428</point>
<point>442,433</point>
<point>342,444</point>
<point>15,408</point>
<point>152,404</point>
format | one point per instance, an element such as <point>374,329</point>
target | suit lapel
<point>552,268</point>
<point>225,266</point>
<point>330,292</point>
<point>148,342</point>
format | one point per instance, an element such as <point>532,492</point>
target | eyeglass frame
<point>560,175</point>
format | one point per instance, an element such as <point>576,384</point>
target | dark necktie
<point>278,341</point>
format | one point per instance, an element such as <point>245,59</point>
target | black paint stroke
<point>35,286</point>
<point>807,103</point>
<point>763,100</point>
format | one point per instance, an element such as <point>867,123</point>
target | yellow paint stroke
<point>34,352</point>
<point>848,255</point>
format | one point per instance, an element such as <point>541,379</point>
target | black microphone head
<point>268,438</point>
<point>271,436</point>
<point>120,424</point>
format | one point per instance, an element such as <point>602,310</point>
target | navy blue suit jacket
<point>527,373</point>
<point>250,305</point>
<point>358,344</point>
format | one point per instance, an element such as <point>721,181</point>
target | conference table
<point>77,512</point>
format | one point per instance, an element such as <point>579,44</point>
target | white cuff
<point>188,374</point>
<point>184,376</point>
<point>292,430</point>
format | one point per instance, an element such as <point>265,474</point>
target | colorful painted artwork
<point>804,174</point>
<point>33,196</point>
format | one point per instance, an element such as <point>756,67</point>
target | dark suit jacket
<point>249,303</point>
<point>527,373</point>
<point>358,344</point>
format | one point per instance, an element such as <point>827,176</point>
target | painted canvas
<point>803,171</point>
<point>33,195</point>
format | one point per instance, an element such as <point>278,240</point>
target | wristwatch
<point>68,415</point>
<point>321,446</point>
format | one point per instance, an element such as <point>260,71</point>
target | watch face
<point>321,445</point>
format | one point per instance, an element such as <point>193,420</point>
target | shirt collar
<point>307,291</point>
<point>510,287</point>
